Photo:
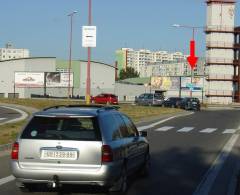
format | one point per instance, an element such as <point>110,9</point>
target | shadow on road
<point>172,172</point>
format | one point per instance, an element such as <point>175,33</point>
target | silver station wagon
<point>86,145</point>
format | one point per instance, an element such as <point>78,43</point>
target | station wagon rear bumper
<point>105,175</point>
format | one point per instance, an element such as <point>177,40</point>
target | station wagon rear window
<point>55,128</point>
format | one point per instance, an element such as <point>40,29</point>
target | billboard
<point>29,79</point>
<point>58,79</point>
<point>196,84</point>
<point>165,83</point>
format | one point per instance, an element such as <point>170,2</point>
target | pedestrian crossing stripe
<point>191,129</point>
<point>185,129</point>
<point>2,119</point>
<point>166,128</point>
<point>208,130</point>
<point>229,131</point>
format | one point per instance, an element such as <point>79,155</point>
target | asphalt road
<point>182,152</point>
<point>7,114</point>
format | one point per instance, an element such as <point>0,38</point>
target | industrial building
<point>102,77</point>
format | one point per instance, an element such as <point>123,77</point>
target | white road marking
<point>6,179</point>
<point>2,119</point>
<point>166,128</point>
<point>23,116</point>
<point>185,129</point>
<point>208,179</point>
<point>208,130</point>
<point>141,128</point>
<point>229,131</point>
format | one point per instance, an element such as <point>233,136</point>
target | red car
<point>105,98</point>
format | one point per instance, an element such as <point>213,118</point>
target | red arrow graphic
<point>192,59</point>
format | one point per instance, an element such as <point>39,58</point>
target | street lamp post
<point>70,53</point>
<point>194,28</point>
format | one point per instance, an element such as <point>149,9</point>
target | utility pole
<point>88,81</point>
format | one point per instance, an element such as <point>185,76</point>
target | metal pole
<point>191,82</point>
<point>180,86</point>
<point>70,53</point>
<point>70,57</point>
<point>14,90</point>
<point>193,35</point>
<point>45,86</point>
<point>88,81</point>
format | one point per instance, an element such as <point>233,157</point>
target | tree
<point>128,73</point>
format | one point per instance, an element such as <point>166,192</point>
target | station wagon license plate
<point>58,155</point>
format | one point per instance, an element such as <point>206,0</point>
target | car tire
<point>27,188</point>
<point>120,188</point>
<point>144,172</point>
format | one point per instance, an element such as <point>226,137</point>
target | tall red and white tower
<point>220,51</point>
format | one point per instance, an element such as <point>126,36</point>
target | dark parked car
<point>105,98</point>
<point>149,99</point>
<point>82,145</point>
<point>189,103</point>
<point>173,102</point>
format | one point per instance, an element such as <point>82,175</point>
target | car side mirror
<point>143,133</point>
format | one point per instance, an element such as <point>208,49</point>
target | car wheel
<point>27,188</point>
<point>120,188</point>
<point>144,172</point>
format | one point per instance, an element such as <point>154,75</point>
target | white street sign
<point>89,36</point>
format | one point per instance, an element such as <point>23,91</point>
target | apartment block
<point>142,58</point>
<point>9,52</point>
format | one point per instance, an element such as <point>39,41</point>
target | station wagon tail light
<point>107,153</point>
<point>15,150</point>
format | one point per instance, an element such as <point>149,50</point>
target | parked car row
<point>149,99</point>
<point>187,103</point>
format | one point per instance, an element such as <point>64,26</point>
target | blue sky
<point>43,26</point>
